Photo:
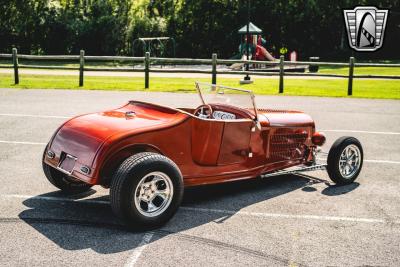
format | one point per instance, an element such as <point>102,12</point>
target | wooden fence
<point>147,61</point>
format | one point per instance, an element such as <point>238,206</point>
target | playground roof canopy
<point>252,29</point>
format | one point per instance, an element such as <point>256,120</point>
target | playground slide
<point>263,54</point>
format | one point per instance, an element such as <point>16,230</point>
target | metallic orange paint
<point>207,151</point>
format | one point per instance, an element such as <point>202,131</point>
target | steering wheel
<point>204,111</point>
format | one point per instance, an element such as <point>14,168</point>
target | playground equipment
<point>156,46</point>
<point>256,45</point>
<point>257,51</point>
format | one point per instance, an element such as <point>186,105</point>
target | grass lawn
<point>361,70</point>
<point>305,87</point>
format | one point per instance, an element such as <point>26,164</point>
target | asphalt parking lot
<point>280,221</point>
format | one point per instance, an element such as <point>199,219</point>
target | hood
<point>83,136</point>
<point>286,118</point>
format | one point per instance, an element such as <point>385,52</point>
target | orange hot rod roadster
<point>147,153</point>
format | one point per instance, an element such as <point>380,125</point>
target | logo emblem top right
<point>365,27</point>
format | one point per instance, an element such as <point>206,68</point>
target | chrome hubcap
<point>350,161</point>
<point>153,194</point>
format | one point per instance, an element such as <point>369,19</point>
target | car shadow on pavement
<point>331,189</point>
<point>336,190</point>
<point>74,223</point>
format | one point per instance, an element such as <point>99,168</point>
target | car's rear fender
<point>114,160</point>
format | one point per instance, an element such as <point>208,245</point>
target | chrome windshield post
<point>199,91</point>
<point>253,100</point>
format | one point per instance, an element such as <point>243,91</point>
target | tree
<point>200,27</point>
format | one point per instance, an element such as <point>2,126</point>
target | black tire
<point>62,181</point>
<point>334,158</point>
<point>127,179</point>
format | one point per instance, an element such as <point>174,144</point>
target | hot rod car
<point>147,153</point>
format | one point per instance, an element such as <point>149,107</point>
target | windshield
<point>217,94</point>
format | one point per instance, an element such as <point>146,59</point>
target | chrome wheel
<point>350,161</point>
<point>153,194</point>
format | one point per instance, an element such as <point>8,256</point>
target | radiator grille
<point>288,144</point>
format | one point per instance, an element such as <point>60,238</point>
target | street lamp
<point>247,79</point>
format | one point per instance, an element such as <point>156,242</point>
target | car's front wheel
<point>345,160</point>
<point>146,190</point>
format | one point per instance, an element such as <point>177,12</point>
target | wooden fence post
<point>214,69</point>
<point>146,69</point>
<point>281,73</point>
<point>15,63</point>
<point>81,66</point>
<point>351,72</point>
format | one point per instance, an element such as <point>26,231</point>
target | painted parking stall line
<point>381,161</point>
<point>372,161</point>
<point>361,131</point>
<point>134,257</point>
<point>61,199</point>
<point>22,143</point>
<point>261,215</point>
<point>34,116</point>
<point>289,216</point>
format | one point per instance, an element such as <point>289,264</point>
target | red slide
<point>263,54</point>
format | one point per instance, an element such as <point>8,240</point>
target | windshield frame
<point>251,94</point>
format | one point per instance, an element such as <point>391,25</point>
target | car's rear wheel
<point>146,190</point>
<point>345,160</point>
<point>62,181</point>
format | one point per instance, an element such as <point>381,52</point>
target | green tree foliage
<point>200,27</point>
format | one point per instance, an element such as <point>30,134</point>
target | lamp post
<point>247,79</point>
<point>247,34</point>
